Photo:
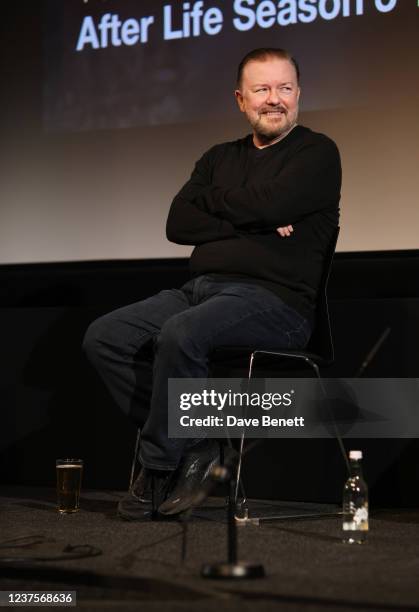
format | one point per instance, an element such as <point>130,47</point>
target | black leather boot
<point>191,476</point>
<point>148,492</point>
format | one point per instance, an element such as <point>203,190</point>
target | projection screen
<point>132,93</point>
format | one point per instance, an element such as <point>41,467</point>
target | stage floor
<point>140,564</point>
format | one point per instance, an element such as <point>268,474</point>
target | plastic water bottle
<point>355,503</point>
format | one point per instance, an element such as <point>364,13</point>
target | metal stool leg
<point>135,458</point>
<point>245,518</point>
<point>243,513</point>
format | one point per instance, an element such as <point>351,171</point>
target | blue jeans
<point>137,348</point>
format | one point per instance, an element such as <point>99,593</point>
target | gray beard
<point>266,135</point>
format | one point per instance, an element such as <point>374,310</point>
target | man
<point>261,212</point>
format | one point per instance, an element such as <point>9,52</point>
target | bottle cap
<point>355,454</point>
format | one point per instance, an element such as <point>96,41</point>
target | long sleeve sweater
<point>236,198</point>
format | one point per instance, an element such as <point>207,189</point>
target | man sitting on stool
<point>261,212</point>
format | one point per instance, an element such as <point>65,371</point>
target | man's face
<point>268,96</point>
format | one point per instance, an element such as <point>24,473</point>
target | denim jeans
<point>136,349</point>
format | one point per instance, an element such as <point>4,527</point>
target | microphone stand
<point>232,568</point>
<point>372,353</point>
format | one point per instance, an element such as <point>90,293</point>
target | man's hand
<point>285,231</point>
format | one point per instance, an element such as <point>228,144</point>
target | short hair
<point>262,54</point>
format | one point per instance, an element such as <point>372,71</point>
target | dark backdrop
<point>54,405</point>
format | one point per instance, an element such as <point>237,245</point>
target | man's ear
<point>239,98</point>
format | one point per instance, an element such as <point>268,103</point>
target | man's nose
<point>273,97</point>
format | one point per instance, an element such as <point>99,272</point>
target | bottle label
<point>359,521</point>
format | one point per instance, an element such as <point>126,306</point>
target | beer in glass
<point>69,473</point>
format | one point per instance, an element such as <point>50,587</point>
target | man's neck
<point>258,145</point>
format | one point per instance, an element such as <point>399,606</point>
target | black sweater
<point>238,195</point>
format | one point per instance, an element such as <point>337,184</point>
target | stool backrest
<point>321,341</point>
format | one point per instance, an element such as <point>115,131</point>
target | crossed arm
<point>189,224</point>
<point>203,212</point>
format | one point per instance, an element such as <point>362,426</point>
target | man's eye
<point>261,89</point>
